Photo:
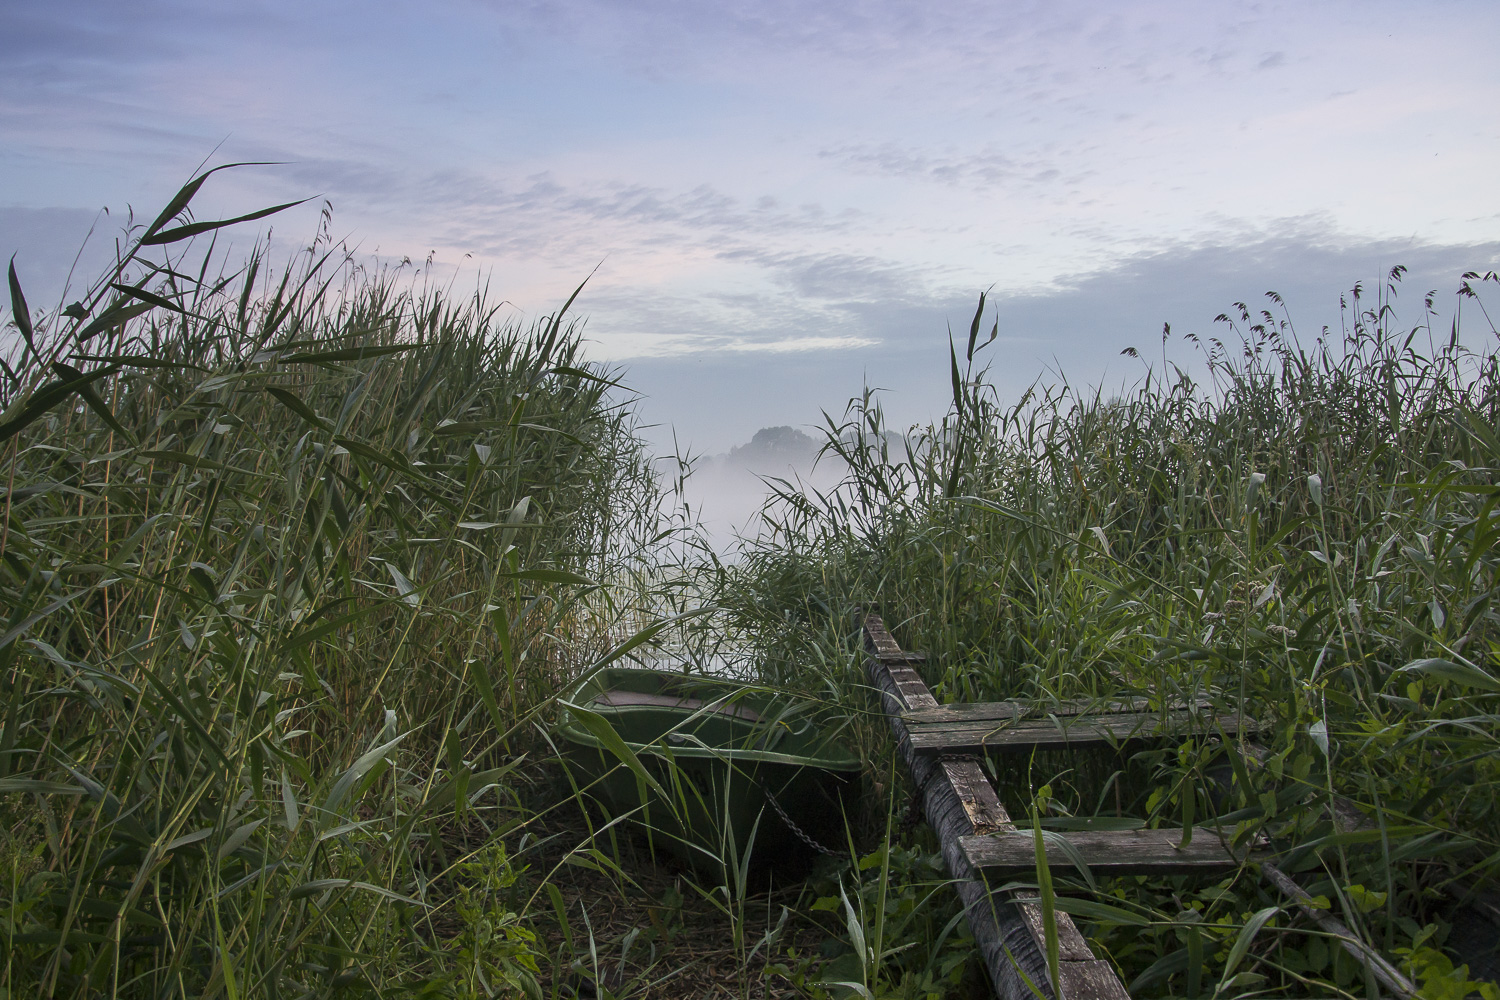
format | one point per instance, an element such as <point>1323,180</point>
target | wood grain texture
<point>1094,978</point>
<point>977,795</point>
<point>1106,852</point>
<point>997,711</point>
<point>959,801</point>
<point>1070,944</point>
<point>1022,735</point>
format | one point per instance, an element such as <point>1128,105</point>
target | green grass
<point>290,566</point>
<point>1310,533</point>
<point>294,562</point>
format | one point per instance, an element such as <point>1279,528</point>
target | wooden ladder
<point>942,745</point>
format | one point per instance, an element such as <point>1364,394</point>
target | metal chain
<point>802,834</point>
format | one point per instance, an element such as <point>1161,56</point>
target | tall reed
<point>287,565</point>
<point>1308,533</point>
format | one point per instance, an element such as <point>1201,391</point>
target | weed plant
<point>289,566</point>
<point>294,562</point>
<point>1308,532</point>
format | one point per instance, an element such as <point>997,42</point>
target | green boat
<point>709,767</point>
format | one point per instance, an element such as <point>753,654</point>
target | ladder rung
<point>1002,735</point>
<point>1106,852</point>
<point>996,711</point>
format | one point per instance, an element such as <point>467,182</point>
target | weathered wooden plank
<point>996,711</point>
<point>958,800</point>
<point>1020,735</point>
<point>1093,978</point>
<point>879,641</point>
<point>1106,852</point>
<point>977,795</point>
<point>1071,947</point>
<point>913,689</point>
<point>901,656</point>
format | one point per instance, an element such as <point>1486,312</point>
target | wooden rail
<point>975,729</point>
<point>1106,852</point>
<point>959,802</point>
<point>943,746</point>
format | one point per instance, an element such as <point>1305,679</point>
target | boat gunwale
<point>573,732</point>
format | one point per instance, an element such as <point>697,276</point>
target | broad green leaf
<point>404,587</point>
<point>237,838</point>
<point>39,787</point>
<point>301,409</point>
<point>1319,733</point>
<point>19,630</point>
<point>181,458</point>
<point>602,731</point>
<point>346,782</point>
<point>151,298</point>
<point>344,354</point>
<point>1091,910</point>
<point>92,398</point>
<point>1061,843</point>
<point>187,191</point>
<point>19,311</point>
<point>1462,674</point>
<point>137,361</point>
<point>1050,941</point>
<point>445,796</point>
<point>311,635</point>
<point>1242,944</point>
<point>289,803</point>
<point>318,885</point>
<point>194,228</point>
<point>116,314</point>
<point>45,398</point>
<point>856,928</point>
<point>589,376</point>
<point>549,576</point>
<point>188,838</point>
<point>1257,480</point>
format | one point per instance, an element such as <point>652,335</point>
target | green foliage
<point>1439,980</point>
<point>1309,534</point>
<point>494,953</point>
<point>292,562</point>
<point>895,930</point>
<point>289,564</point>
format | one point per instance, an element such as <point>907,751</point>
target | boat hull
<point>710,769</point>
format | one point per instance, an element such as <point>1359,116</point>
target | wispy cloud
<point>789,191</point>
<point>800,345</point>
<point>983,168</point>
<point>1076,329</point>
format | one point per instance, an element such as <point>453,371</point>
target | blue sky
<point>788,200</point>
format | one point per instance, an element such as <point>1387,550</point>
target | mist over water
<point>727,492</point>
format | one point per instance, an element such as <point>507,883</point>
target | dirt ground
<point>670,935</point>
<point>641,926</point>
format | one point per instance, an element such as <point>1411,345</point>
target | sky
<point>783,202</point>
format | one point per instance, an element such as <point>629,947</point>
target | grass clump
<point>293,564</point>
<point>287,566</point>
<point>1307,531</point>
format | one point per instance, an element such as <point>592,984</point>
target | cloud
<point>692,34</point>
<point>1075,329</point>
<point>544,210</point>
<point>984,168</point>
<point>40,37</point>
<point>799,345</point>
<point>760,301</point>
